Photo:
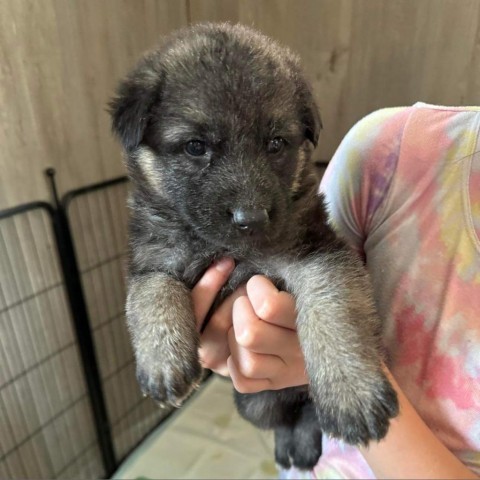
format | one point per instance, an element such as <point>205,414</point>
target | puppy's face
<point>220,124</point>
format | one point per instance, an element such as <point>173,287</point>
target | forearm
<point>411,450</point>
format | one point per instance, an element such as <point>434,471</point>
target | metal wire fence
<point>45,417</point>
<point>70,406</point>
<point>98,222</point>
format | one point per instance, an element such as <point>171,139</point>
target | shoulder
<point>406,146</point>
<point>359,175</point>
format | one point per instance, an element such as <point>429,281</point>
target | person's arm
<point>356,186</point>
<point>411,450</point>
<point>252,338</point>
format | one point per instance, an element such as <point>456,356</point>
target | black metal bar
<point>67,198</point>
<point>10,212</point>
<point>82,326</point>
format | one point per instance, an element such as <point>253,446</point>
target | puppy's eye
<point>196,148</point>
<point>276,145</point>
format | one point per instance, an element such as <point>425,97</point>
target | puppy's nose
<point>250,221</point>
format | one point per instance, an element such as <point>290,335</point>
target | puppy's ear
<point>136,94</point>
<point>311,117</point>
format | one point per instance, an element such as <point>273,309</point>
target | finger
<point>253,365</point>
<point>259,336</point>
<point>222,370</point>
<point>214,349</point>
<point>207,288</point>
<point>270,304</point>
<point>243,384</point>
<point>278,357</point>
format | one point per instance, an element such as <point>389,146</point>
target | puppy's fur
<point>244,188</point>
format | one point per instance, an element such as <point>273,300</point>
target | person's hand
<point>251,337</point>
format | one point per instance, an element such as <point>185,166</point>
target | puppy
<point>218,126</point>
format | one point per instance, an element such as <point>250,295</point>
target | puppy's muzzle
<point>250,221</point>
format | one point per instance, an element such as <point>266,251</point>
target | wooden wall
<point>60,60</point>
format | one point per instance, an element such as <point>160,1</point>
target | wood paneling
<point>60,61</point>
<point>214,10</point>
<point>59,64</point>
<point>361,55</point>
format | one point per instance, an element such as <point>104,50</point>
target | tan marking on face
<point>301,161</point>
<point>146,159</point>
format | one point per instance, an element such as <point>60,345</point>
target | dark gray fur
<point>236,89</point>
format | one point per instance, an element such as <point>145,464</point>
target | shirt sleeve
<point>359,175</point>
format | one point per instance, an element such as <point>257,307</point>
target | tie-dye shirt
<point>404,190</point>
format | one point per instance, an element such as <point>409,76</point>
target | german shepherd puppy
<point>218,126</point>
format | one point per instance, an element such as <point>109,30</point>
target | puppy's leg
<point>271,408</point>
<point>284,445</point>
<point>306,439</point>
<point>339,331</point>
<point>163,331</point>
<point>299,444</point>
<point>298,437</point>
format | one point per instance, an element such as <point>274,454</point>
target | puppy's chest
<point>193,260</point>
<point>196,264</point>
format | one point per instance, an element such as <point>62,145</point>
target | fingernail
<point>224,264</point>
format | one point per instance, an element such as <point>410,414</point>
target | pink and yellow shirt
<point>404,190</point>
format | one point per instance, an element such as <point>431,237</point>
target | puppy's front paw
<point>169,382</point>
<point>358,411</point>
